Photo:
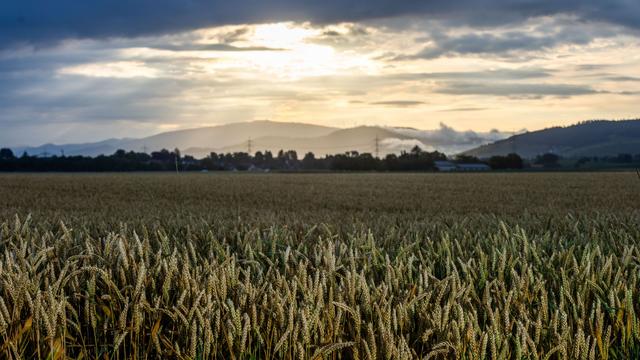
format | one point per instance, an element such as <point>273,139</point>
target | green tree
<point>6,154</point>
<point>548,160</point>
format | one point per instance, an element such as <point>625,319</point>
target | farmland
<point>312,266</point>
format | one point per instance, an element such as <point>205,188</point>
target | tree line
<point>165,160</point>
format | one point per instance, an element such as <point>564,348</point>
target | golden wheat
<point>393,285</point>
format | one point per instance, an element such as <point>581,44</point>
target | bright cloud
<point>118,69</point>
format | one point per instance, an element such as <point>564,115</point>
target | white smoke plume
<point>444,139</point>
<point>396,145</point>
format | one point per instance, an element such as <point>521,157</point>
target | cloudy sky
<point>73,71</point>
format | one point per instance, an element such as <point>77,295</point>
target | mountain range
<point>590,138</point>
<point>274,136</point>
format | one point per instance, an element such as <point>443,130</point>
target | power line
<point>353,147</point>
<point>177,153</point>
<point>253,144</point>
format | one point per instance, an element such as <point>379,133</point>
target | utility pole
<point>377,147</point>
<point>249,147</point>
<point>144,148</point>
<point>177,153</point>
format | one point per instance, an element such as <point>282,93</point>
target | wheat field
<point>320,266</point>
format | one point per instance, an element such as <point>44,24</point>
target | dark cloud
<point>547,35</point>
<point>361,84</point>
<point>42,22</point>
<point>464,109</point>
<point>623,78</point>
<point>591,67</point>
<point>348,36</point>
<point>499,74</point>
<point>631,93</point>
<point>399,103</point>
<point>515,90</point>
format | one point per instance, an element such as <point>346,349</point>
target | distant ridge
<point>209,138</point>
<point>360,138</point>
<point>589,138</point>
<point>274,136</point>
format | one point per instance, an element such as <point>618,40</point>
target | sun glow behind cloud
<point>279,52</point>
<point>282,35</point>
<point>293,56</point>
<point>344,74</point>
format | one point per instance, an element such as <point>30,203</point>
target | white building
<point>445,166</point>
<point>473,167</point>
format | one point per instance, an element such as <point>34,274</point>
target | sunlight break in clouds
<point>397,71</point>
<point>289,55</point>
<point>282,35</point>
